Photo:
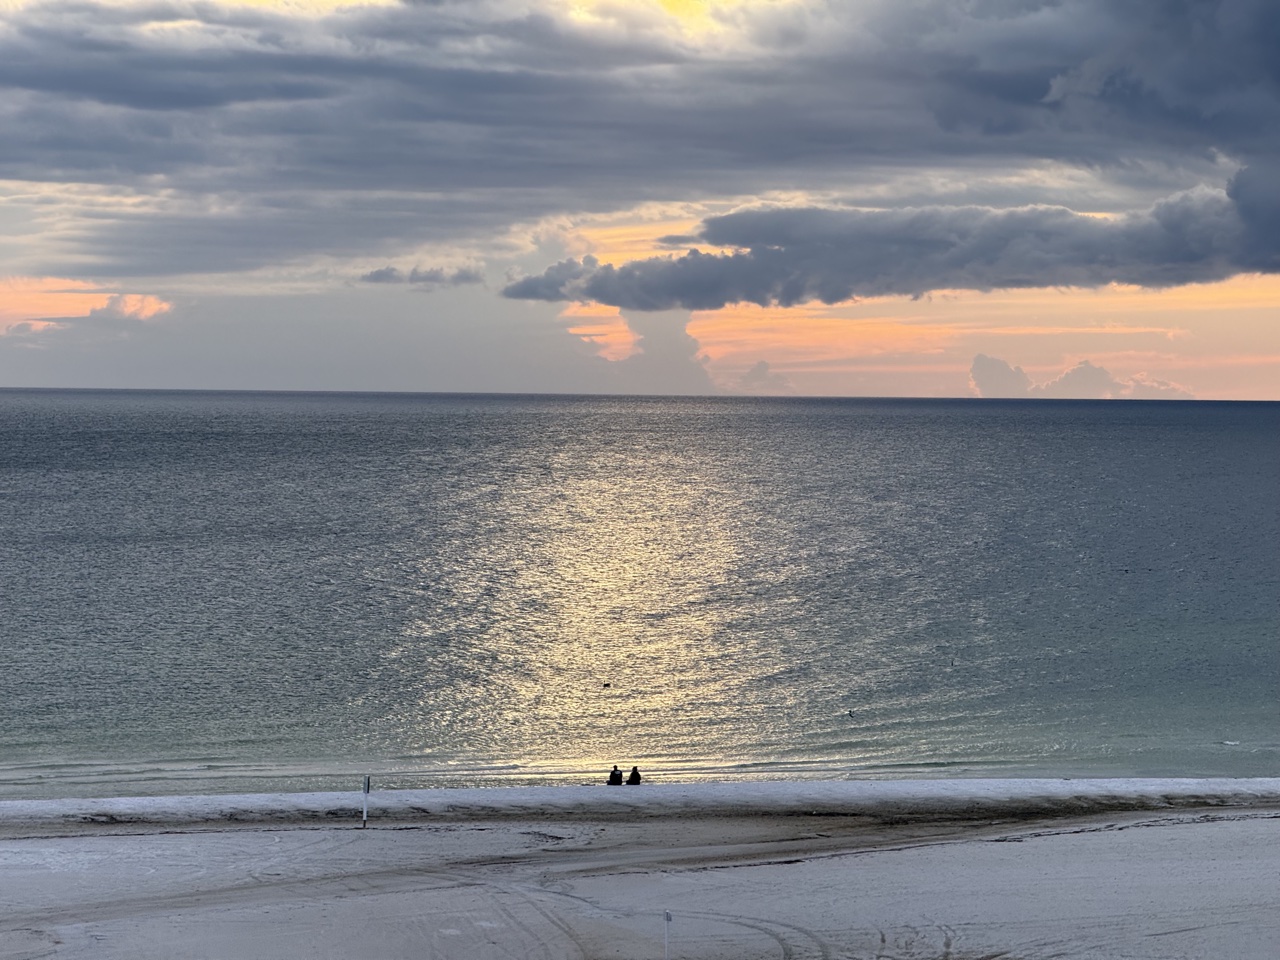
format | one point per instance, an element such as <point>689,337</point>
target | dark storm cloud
<point>554,281</point>
<point>791,256</point>
<point>264,138</point>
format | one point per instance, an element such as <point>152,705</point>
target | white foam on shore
<point>941,799</point>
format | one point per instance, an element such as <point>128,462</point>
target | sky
<point>1015,198</point>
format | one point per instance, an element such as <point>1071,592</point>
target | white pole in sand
<point>666,937</point>
<point>364,820</point>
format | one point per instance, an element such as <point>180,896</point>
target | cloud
<point>431,276</point>
<point>385,275</point>
<point>762,380</point>
<point>1144,387</point>
<point>1084,381</point>
<point>130,306</point>
<point>784,257</point>
<point>122,317</point>
<point>1255,191</point>
<point>104,310</point>
<point>665,359</point>
<point>552,283</point>
<point>27,299</point>
<point>245,137</point>
<point>993,377</point>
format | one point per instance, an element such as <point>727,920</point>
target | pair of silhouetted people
<point>615,776</point>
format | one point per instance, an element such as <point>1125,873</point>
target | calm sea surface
<point>260,592</point>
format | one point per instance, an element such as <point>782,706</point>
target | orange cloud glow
<point>139,306</point>
<point>27,299</point>
<point>602,327</point>
<point>40,302</point>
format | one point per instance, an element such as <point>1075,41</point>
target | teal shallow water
<point>230,592</point>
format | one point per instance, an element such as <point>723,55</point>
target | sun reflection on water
<point>626,581</point>
<point>578,624</point>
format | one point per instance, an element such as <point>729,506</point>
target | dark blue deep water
<point>244,592</point>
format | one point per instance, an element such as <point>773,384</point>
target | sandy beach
<point>893,871</point>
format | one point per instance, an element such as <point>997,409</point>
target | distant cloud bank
<point>993,377</point>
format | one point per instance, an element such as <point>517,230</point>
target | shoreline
<point>881,800</point>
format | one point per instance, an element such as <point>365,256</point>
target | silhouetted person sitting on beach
<point>634,776</point>
<point>615,777</point>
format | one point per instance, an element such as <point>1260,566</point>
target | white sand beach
<point>1025,869</point>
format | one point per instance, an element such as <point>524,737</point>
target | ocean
<point>206,593</point>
